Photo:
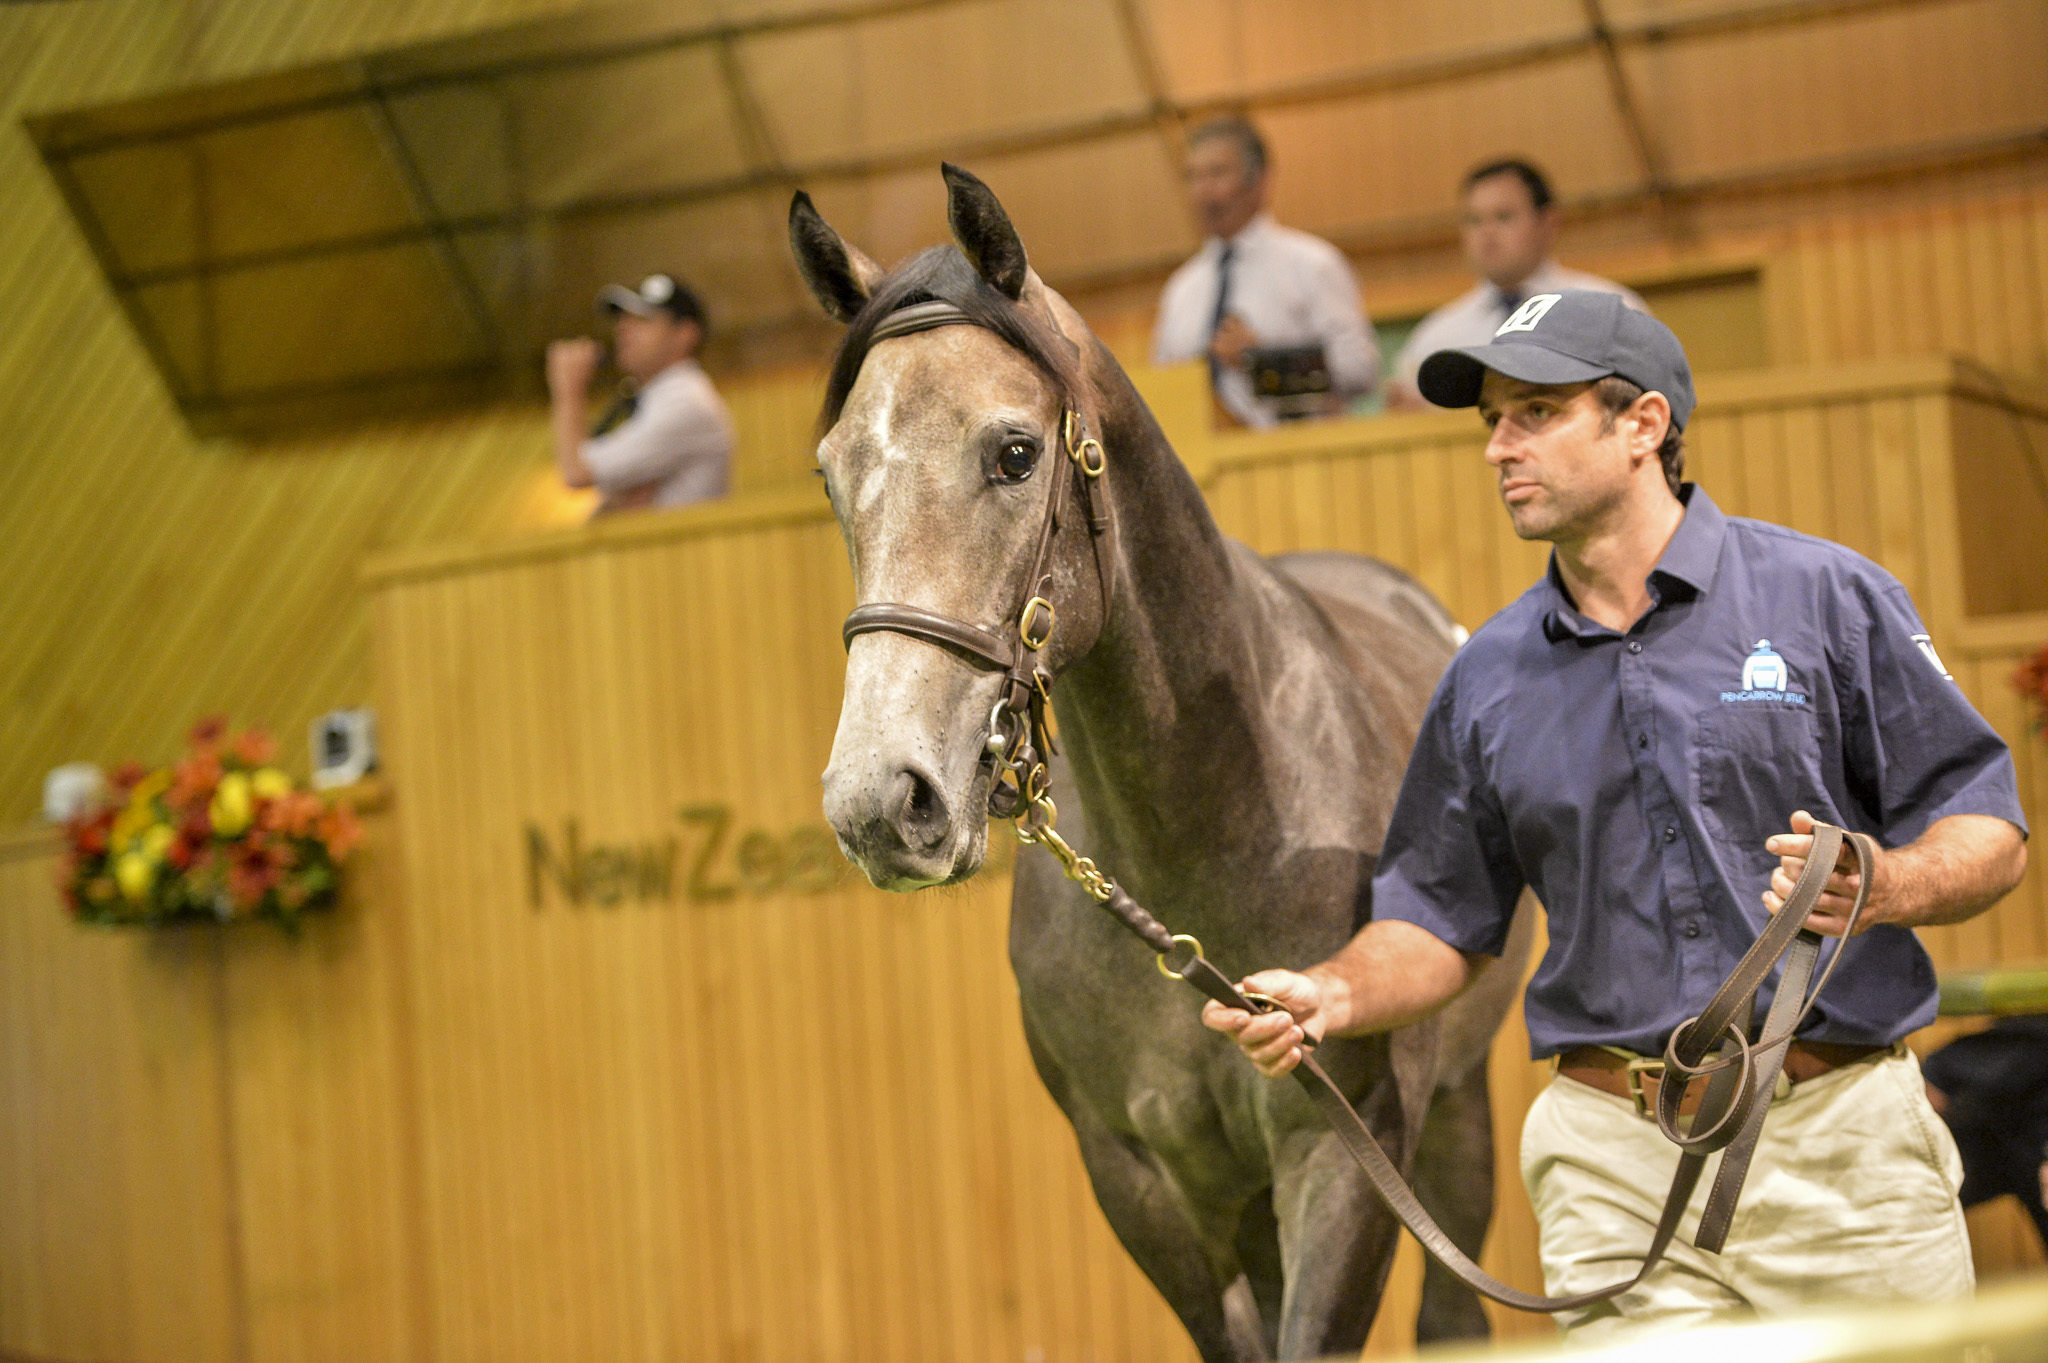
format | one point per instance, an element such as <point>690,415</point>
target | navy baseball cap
<point>658,294</point>
<point>1573,336</point>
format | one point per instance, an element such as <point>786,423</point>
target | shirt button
<point>1671,832</point>
<point>1642,740</point>
<point>1634,647</point>
<point>1692,929</point>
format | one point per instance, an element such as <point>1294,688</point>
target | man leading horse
<point>1646,738</point>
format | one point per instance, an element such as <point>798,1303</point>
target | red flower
<point>129,775</point>
<point>298,813</point>
<point>193,780</point>
<point>256,748</point>
<point>2031,681</point>
<point>340,831</point>
<point>181,851</point>
<point>89,836</point>
<point>207,732</point>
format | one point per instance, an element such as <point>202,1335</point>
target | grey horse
<point>1234,731</point>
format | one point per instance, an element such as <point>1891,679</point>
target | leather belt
<point>1638,1077</point>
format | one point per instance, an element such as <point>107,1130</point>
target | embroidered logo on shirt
<point>1764,677</point>
<point>1933,659</point>
<point>1529,314</point>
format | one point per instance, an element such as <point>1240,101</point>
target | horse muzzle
<point>906,790</point>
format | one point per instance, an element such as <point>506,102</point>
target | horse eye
<point>1016,460</point>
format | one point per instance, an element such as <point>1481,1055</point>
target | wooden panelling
<point>115,1169</point>
<point>1957,277</point>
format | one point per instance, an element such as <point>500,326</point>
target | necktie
<point>618,414</point>
<point>1222,307</point>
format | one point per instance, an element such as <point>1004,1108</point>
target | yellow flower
<point>134,873</point>
<point>269,783</point>
<point>156,839</point>
<point>232,805</point>
<point>140,811</point>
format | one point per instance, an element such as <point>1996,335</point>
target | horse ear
<point>984,231</point>
<point>840,277</point>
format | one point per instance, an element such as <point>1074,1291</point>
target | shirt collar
<point>1542,279</point>
<point>1258,227</point>
<point>1685,570</point>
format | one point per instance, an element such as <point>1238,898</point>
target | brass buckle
<point>1024,623</point>
<point>1090,467</point>
<point>1637,1067</point>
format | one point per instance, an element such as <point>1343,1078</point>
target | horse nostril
<point>918,811</point>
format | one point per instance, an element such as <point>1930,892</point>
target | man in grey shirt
<point>669,440</point>
<point>1509,226</point>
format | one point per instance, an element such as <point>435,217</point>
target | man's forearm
<point>569,414</point>
<point>1392,973</point>
<point>1956,869</point>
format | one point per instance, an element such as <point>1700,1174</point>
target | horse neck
<point>1170,700</point>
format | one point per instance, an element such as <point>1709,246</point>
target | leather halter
<point>1020,734</point>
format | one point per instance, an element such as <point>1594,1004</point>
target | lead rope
<point>1739,1086</point>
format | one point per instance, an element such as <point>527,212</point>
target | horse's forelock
<point>942,274</point>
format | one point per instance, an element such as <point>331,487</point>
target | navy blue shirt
<point>1631,780</point>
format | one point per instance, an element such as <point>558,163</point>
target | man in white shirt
<point>1258,285</point>
<point>674,443</point>
<point>1509,226</point>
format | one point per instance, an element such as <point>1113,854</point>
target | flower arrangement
<point>2031,681</point>
<point>219,836</point>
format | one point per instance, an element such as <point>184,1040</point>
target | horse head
<point>956,399</point>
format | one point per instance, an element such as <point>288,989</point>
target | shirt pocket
<point>1754,764</point>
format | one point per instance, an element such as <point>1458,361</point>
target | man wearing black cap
<point>669,439</point>
<point>1639,739</point>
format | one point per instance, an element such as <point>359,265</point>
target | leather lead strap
<point>1731,1113</point>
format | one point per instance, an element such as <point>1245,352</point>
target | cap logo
<point>657,288</point>
<point>1529,314</point>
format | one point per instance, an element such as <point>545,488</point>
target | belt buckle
<point>1637,1067</point>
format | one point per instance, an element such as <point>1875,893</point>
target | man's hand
<point>1232,339</point>
<point>1274,1041</point>
<point>572,364</point>
<point>1831,913</point>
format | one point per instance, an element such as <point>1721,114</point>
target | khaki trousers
<point>1851,1198</point>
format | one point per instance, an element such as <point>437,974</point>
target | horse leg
<point>1150,1219</point>
<point>1337,1237</point>
<point>1454,1181</point>
<point>1337,1241</point>
<point>1265,1273</point>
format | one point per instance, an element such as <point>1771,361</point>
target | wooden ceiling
<point>410,225</point>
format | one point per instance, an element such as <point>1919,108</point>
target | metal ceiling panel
<point>146,199</point>
<point>1754,100</point>
<point>336,320</point>
<point>1218,50</point>
<point>625,126</point>
<point>317,177</point>
<point>953,75</point>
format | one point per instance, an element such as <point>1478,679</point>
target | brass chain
<point>1035,826</point>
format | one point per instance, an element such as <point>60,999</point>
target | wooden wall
<point>733,1102</point>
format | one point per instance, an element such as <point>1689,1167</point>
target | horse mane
<point>942,274</point>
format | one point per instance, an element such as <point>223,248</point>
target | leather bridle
<point>1021,734</point>
<point>1741,1075</point>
